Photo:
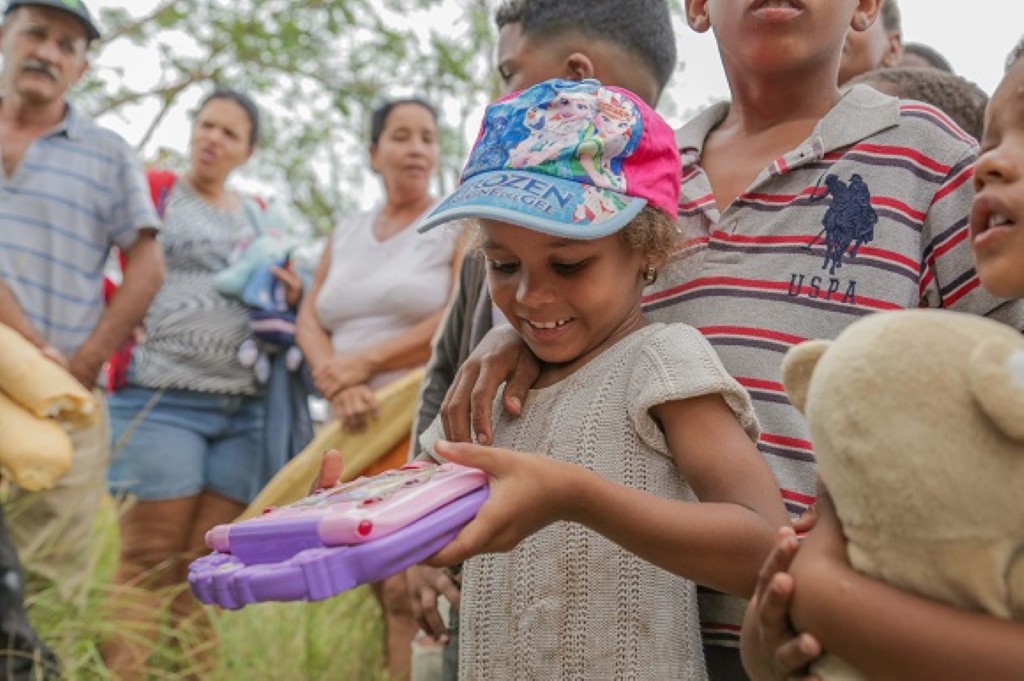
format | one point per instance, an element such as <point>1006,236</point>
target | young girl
<point>640,421</point>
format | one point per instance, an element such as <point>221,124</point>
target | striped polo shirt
<point>869,214</point>
<point>79,190</point>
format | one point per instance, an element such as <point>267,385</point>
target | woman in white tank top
<point>377,298</point>
<point>380,288</point>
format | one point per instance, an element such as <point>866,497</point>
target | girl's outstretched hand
<point>528,492</point>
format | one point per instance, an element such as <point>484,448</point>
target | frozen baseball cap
<point>572,159</point>
<point>76,8</point>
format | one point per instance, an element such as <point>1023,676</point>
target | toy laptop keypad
<point>331,541</point>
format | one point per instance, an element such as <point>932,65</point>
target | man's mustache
<point>40,67</point>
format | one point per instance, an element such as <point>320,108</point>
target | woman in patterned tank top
<point>188,435</point>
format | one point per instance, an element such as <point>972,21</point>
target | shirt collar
<point>691,137</point>
<point>73,124</point>
<point>860,113</point>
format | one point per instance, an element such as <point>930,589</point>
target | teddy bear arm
<point>977,574</point>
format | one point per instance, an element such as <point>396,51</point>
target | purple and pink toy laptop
<point>336,539</point>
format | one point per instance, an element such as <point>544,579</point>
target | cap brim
<point>91,32</point>
<point>544,203</point>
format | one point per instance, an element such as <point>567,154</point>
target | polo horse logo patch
<point>849,221</point>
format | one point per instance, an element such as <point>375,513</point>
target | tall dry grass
<point>338,639</point>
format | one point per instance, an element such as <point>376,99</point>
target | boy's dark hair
<point>509,12</point>
<point>957,97</point>
<point>243,100</point>
<point>930,55</point>
<point>380,114</point>
<point>890,15</point>
<point>641,27</point>
<point>1015,54</point>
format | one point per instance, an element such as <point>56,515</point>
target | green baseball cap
<point>75,8</point>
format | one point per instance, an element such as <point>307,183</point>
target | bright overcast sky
<point>975,37</point>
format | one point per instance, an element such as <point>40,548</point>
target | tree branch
<point>110,36</point>
<point>169,95</point>
<point>166,93</point>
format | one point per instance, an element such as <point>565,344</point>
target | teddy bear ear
<point>797,367</point>
<point>996,377</point>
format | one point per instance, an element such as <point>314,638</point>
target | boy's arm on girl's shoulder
<point>500,358</point>
<point>890,634</point>
<point>445,357</point>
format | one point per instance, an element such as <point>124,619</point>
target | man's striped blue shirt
<point>79,190</point>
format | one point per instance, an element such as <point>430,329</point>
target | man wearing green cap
<point>69,192</point>
<point>76,8</point>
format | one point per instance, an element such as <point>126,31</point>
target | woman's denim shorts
<point>177,443</point>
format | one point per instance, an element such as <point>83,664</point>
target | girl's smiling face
<point>997,232</point>
<point>569,299</point>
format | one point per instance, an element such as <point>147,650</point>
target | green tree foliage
<point>316,67</point>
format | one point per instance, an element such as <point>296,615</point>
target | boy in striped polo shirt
<point>813,208</point>
<point>819,206</point>
<point>896,629</point>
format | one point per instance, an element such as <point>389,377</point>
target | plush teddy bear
<point>917,419</point>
